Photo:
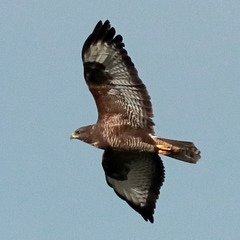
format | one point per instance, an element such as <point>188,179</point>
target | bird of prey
<point>124,128</point>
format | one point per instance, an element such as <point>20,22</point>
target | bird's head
<point>83,134</point>
<point>78,134</point>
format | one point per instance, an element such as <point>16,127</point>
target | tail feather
<point>181,150</point>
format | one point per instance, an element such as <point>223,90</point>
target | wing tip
<point>148,217</point>
<point>104,32</point>
<point>146,212</point>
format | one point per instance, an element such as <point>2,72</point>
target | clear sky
<point>188,55</point>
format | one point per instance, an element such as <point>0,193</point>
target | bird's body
<point>125,127</point>
<point>117,137</point>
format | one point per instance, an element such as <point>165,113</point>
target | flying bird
<point>124,129</point>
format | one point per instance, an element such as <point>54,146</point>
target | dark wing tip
<point>146,213</point>
<point>105,33</point>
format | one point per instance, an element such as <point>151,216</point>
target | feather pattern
<point>136,177</point>
<point>112,78</point>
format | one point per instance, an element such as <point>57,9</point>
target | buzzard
<point>124,128</point>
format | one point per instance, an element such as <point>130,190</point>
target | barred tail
<point>181,150</point>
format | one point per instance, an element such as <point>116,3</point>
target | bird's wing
<point>136,177</point>
<point>120,95</point>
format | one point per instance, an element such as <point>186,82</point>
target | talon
<point>163,147</point>
<point>163,152</point>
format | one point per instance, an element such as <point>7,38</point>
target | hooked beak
<point>73,136</point>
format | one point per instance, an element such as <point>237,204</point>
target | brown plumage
<point>124,128</point>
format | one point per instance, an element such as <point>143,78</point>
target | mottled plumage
<point>124,128</point>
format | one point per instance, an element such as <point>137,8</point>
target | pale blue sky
<point>188,55</point>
